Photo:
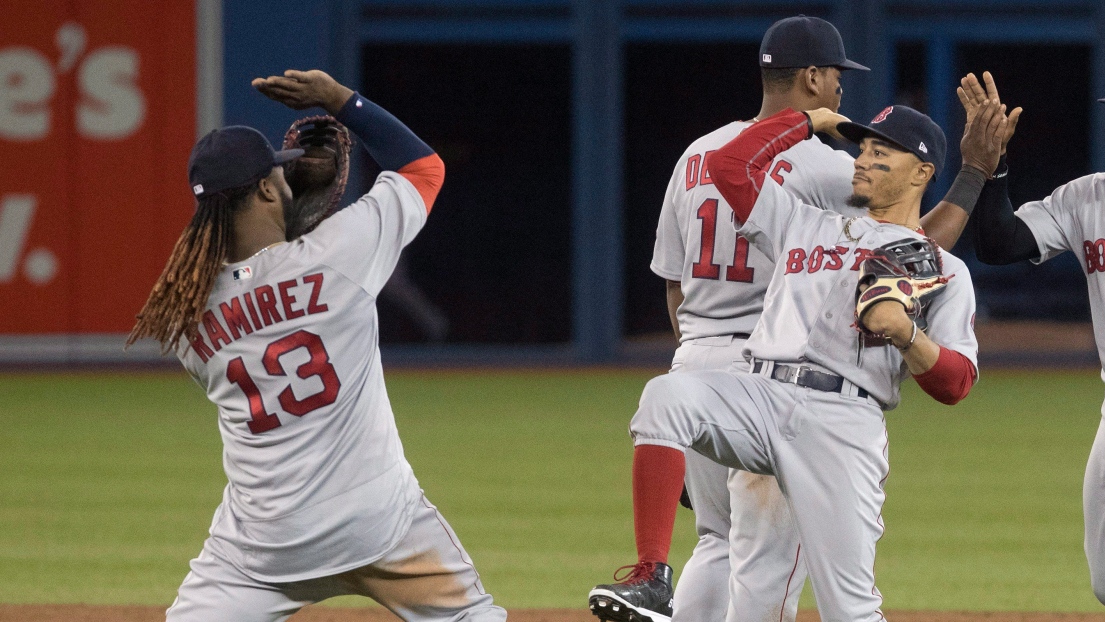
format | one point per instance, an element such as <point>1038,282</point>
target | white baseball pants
<point>427,577</point>
<point>827,450</point>
<point>747,551</point>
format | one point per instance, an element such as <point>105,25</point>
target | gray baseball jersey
<point>1073,218</point>
<point>816,273</point>
<point>318,483</point>
<point>723,277</point>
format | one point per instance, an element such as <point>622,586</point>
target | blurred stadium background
<point>559,121</point>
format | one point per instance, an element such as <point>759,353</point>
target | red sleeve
<point>427,174</point>
<point>738,169</point>
<point>950,379</point>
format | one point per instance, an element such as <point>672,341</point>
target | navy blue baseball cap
<point>903,126</point>
<point>232,157</point>
<point>804,41</point>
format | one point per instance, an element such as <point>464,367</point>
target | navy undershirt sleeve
<point>389,142</point>
<point>1000,237</point>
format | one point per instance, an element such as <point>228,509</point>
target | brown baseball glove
<point>318,178</point>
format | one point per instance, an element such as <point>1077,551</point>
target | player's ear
<point>812,81</point>
<point>267,188</point>
<point>923,172</point>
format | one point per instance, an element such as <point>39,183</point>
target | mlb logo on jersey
<point>243,273</point>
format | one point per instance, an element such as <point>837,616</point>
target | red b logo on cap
<point>882,115</point>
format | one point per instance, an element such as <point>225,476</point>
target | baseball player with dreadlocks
<point>282,335</point>
<point>748,551</point>
<point>855,306</point>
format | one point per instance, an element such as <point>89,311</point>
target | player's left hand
<point>300,90</point>
<point>982,138</point>
<point>972,95</point>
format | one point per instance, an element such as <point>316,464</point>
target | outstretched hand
<point>825,120</point>
<point>973,96</point>
<point>304,89</point>
<point>981,146</point>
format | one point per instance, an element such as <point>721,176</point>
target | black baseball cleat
<point>644,596</point>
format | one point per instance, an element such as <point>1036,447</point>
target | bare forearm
<point>945,223</point>
<point>945,375</point>
<point>675,298</point>
<point>919,357</point>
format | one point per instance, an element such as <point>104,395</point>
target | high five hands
<point>989,129</point>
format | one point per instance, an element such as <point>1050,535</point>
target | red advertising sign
<point>97,118</point>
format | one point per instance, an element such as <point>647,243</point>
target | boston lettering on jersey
<point>256,309</point>
<point>1095,255</point>
<point>799,260</point>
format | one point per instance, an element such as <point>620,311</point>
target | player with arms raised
<point>282,335</point>
<point>811,411</point>
<point>1071,219</point>
<point>716,281</point>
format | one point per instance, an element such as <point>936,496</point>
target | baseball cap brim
<point>287,155</point>
<point>855,133</point>
<point>1102,100</point>
<point>850,64</point>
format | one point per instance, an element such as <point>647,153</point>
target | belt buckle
<point>792,374</point>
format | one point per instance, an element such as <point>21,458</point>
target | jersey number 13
<point>318,365</point>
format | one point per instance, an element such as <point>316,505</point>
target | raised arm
<point>1000,237</point>
<point>390,143</point>
<point>945,222</point>
<point>739,168</point>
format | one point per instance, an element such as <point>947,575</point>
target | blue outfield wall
<point>267,37</point>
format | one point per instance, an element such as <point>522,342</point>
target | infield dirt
<point>126,613</point>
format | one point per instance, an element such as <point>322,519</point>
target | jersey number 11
<point>705,268</point>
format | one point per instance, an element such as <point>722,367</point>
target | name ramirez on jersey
<point>266,311</point>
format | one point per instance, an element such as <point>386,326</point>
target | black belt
<point>806,377</point>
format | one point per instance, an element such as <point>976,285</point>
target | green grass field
<point>109,482</point>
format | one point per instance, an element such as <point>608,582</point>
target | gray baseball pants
<point>427,577</point>
<point>747,551</point>
<point>828,452</point>
<point>1093,509</point>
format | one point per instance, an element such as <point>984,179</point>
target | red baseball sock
<point>657,484</point>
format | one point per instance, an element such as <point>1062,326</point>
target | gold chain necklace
<point>848,229</point>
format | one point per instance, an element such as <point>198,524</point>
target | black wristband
<point>809,125</point>
<point>966,188</point>
<point>1002,170</point>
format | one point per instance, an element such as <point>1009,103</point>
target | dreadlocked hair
<point>178,299</point>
